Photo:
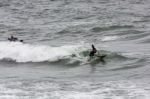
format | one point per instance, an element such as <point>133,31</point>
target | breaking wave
<point>21,52</point>
<point>68,54</point>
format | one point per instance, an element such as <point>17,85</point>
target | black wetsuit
<point>92,53</point>
<point>13,38</point>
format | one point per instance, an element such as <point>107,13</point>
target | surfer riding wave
<point>93,54</point>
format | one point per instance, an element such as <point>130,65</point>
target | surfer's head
<point>12,36</point>
<point>21,40</point>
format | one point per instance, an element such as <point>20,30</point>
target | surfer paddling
<point>13,39</point>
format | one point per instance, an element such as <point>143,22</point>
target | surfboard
<point>101,56</point>
<point>96,57</point>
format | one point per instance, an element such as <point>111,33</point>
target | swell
<point>133,34</point>
<point>109,28</point>
<point>136,63</point>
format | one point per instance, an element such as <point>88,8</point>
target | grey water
<point>53,60</point>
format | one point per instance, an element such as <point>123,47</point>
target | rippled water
<point>53,61</point>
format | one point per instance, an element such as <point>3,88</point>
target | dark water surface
<point>52,63</point>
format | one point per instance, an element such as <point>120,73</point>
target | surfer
<point>12,38</point>
<point>92,53</point>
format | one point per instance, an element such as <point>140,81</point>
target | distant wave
<point>108,28</point>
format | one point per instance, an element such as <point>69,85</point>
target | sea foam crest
<point>109,38</point>
<point>21,52</point>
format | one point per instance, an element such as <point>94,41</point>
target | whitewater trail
<point>21,52</point>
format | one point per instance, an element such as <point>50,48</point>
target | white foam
<point>35,53</point>
<point>72,90</point>
<point>80,95</point>
<point>109,38</point>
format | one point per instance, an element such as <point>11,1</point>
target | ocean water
<point>53,61</point>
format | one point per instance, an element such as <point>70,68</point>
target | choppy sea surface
<point>53,61</point>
